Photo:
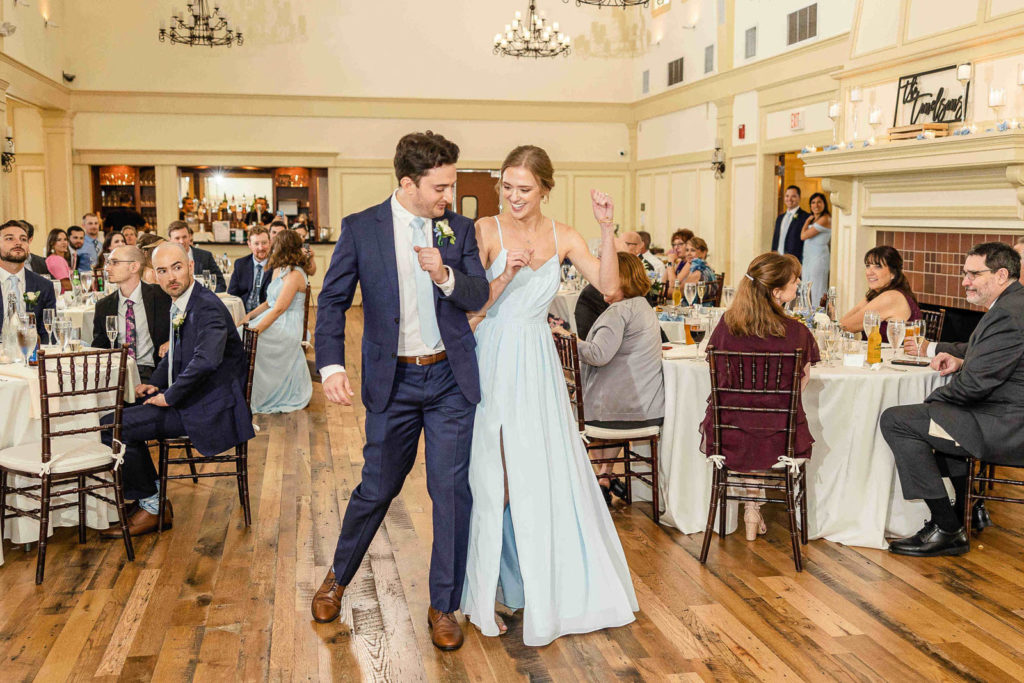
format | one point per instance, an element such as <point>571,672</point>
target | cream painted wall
<point>42,48</point>
<point>745,111</point>
<point>745,234</point>
<point>675,197</point>
<point>879,26</point>
<point>28,129</point>
<point>928,17</point>
<point>1000,7</point>
<point>834,18</point>
<point>681,132</point>
<point>670,41</point>
<point>349,49</point>
<point>776,124</point>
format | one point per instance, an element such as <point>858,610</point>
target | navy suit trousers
<point>423,398</point>
<point>139,424</point>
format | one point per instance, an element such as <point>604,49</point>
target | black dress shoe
<point>979,516</point>
<point>618,487</point>
<point>606,492</point>
<point>931,541</point>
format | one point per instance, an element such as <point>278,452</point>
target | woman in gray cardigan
<point>623,384</point>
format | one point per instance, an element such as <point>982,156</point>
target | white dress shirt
<point>8,282</point>
<point>656,263</point>
<point>143,342</point>
<point>410,343</point>
<point>787,219</point>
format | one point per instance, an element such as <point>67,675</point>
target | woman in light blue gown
<point>281,382</point>
<point>817,235</point>
<point>540,535</point>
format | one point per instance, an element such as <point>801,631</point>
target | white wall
<point>745,111</point>
<point>879,26</point>
<point>670,41</point>
<point>928,17</point>
<point>681,132</point>
<point>41,48</point>
<point>834,17</point>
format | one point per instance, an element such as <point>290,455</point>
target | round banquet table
<point>564,306</point>
<point>853,491</point>
<point>82,315</point>
<point>20,424</point>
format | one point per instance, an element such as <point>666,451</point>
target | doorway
<point>476,194</point>
<point>789,170</point>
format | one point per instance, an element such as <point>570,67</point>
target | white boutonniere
<point>178,321</point>
<point>30,299</point>
<point>443,233</point>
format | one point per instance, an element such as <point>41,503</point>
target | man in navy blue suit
<point>249,278</point>
<point>420,273</point>
<point>786,238</point>
<point>16,280</point>
<point>197,389</point>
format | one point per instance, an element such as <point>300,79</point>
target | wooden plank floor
<point>212,600</point>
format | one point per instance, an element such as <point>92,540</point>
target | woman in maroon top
<point>757,322</point>
<point>889,293</point>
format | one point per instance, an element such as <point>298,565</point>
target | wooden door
<point>476,195</point>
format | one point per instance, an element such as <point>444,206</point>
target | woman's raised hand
<point>604,208</point>
<point>515,261</point>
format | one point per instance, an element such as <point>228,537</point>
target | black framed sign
<point>934,96</point>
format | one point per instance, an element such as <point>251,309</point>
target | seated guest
<point>276,226</point>
<point>202,260</point>
<point>889,292</point>
<point>188,205</point>
<point>76,238</point>
<point>757,322</point>
<point>303,232</point>
<point>142,310</point>
<point>197,389</point>
<point>35,262</point>
<point>623,383</point>
<point>58,258</point>
<point>651,262</point>
<point>16,281</point>
<point>694,266</point>
<point>130,234</point>
<point>281,382</point>
<point>250,278</point>
<point>977,413</point>
<point>112,241</point>
<point>678,253</point>
<point>149,241</point>
<point>259,216</point>
<point>1019,248</point>
<point>589,307</point>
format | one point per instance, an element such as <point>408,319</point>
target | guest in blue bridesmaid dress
<point>281,382</point>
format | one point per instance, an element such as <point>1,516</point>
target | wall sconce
<point>718,160</point>
<point>48,23</point>
<point>8,153</point>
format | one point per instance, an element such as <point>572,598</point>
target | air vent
<point>675,71</point>
<point>803,24</point>
<point>750,46</point>
<point>709,59</point>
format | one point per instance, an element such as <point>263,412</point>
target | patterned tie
<point>129,326</point>
<point>170,351</point>
<point>424,288</point>
<point>254,295</point>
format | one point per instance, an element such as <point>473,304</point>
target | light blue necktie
<point>170,351</point>
<point>19,298</point>
<point>424,288</point>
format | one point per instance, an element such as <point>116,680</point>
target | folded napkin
<point>678,351</point>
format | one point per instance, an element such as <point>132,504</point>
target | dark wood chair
<point>601,437</point>
<point>240,458</point>
<point>759,374</point>
<point>305,316</point>
<point>713,291</point>
<point>934,320</point>
<point>984,480</point>
<point>64,463</point>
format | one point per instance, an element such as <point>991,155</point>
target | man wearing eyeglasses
<point>143,311</point>
<point>978,413</point>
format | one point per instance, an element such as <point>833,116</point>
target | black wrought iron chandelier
<point>198,26</point>
<point>533,37</point>
<point>612,3</point>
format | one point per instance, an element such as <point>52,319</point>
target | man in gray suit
<point>979,412</point>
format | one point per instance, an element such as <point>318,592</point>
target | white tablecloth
<point>564,306</point>
<point>82,316</point>
<point>854,495</point>
<point>19,424</point>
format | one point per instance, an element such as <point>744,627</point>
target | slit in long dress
<point>511,592</point>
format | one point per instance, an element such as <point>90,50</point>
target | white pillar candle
<point>875,116</point>
<point>855,94</point>
<point>833,110</point>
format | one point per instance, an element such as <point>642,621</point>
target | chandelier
<point>535,37</point>
<point>612,3</point>
<point>198,26</point>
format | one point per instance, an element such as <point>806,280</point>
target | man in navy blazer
<point>202,260</point>
<point>15,277</point>
<point>786,238</point>
<point>197,389</point>
<point>420,273</point>
<point>243,275</point>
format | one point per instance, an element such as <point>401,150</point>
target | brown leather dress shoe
<point>445,631</point>
<point>140,523</point>
<point>327,601</point>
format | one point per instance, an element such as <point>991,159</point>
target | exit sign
<point>796,120</point>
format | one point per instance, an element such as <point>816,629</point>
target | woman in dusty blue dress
<point>817,234</point>
<point>540,535</point>
<point>281,382</point>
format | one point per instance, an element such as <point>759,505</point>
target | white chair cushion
<point>69,454</point>
<point>608,433</point>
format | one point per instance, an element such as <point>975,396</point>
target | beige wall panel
<point>928,17</point>
<point>32,200</point>
<point>744,238</point>
<point>683,201</point>
<point>644,195</point>
<point>879,26</point>
<point>776,123</point>
<point>583,215</point>
<point>745,111</point>
<point>362,190</point>
<point>660,203</point>
<point>558,201</point>
<point>1001,7</point>
<point>28,130</point>
<point>681,132</point>
<point>706,207</point>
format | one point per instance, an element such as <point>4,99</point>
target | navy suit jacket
<point>210,370</point>
<point>794,245</point>
<point>204,260</point>
<point>365,254</point>
<point>241,280</point>
<point>47,299</point>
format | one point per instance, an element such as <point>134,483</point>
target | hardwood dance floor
<point>211,600</point>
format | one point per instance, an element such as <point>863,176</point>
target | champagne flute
<point>27,336</point>
<point>702,287</point>
<point>870,322</point>
<point>111,324</point>
<point>62,327</point>
<point>919,336</point>
<point>48,314</point>
<point>690,292</point>
<point>896,331</point>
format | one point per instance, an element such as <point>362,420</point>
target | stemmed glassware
<point>919,336</point>
<point>896,330</point>
<point>62,328</point>
<point>690,292</point>
<point>48,316</point>
<point>871,320</point>
<point>727,296</point>
<point>111,324</point>
<point>58,289</point>
<point>702,287</point>
<point>27,336</point>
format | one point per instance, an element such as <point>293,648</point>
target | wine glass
<point>27,336</point>
<point>871,321</point>
<point>702,287</point>
<point>62,328</point>
<point>207,278</point>
<point>48,314</point>
<point>690,292</point>
<point>58,289</point>
<point>111,323</point>
<point>86,277</point>
<point>919,336</point>
<point>896,331</point>
<point>698,325</point>
<point>727,296</point>
<point>74,338</point>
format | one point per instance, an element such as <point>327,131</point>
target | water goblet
<point>896,330</point>
<point>27,336</point>
<point>74,339</point>
<point>690,292</point>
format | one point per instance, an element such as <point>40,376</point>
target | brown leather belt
<point>423,360</point>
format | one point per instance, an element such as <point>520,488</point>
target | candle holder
<point>996,101</point>
<point>833,113</point>
<point>856,97</point>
